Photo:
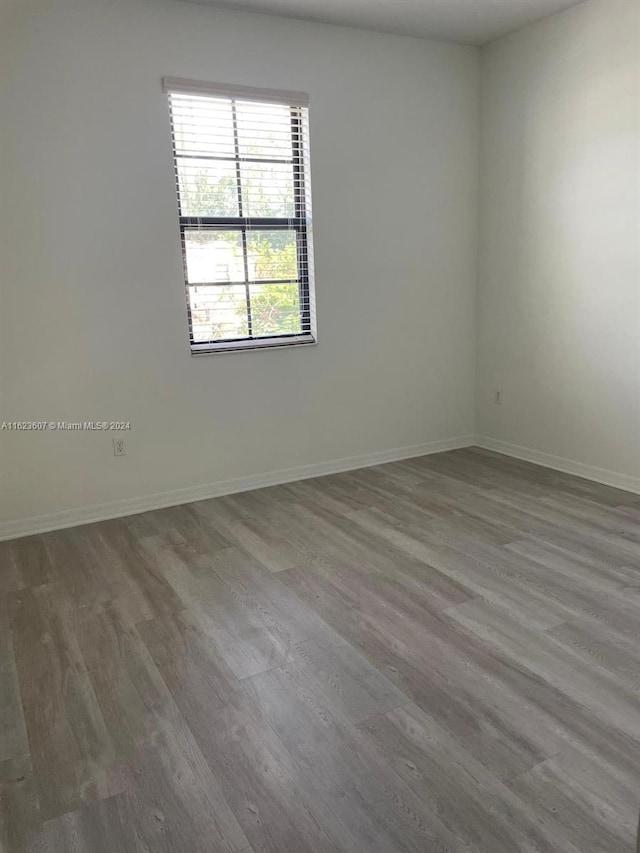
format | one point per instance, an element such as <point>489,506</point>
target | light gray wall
<point>559,289</point>
<point>93,323</point>
<point>92,319</point>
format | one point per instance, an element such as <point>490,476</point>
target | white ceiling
<point>464,21</point>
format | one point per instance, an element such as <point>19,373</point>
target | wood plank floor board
<point>189,661</point>
<point>172,804</point>
<point>19,807</point>
<point>562,665</point>
<point>522,473</point>
<point>608,651</point>
<point>593,573</point>
<point>438,655</point>
<point>441,674</point>
<point>276,808</point>
<point>13,733</point>
<point>371,806</point>
<point>247,635</point>
<point>466,797</point>
<point>169,792</point>
<point>78,573</point>
<point>146,591</point>
<point>337,679</point>
<point>491,574</point>
<point>580,817</point>
<point>25,564</point>
<point>71,748</point>
<point>124,681</point>
<point>613,789</point>
<point>512,576</point>
<point>534,520</point>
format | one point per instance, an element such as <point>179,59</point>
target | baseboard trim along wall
<point>559,463</point>
<point>160,500</point>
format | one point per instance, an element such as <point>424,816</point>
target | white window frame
<point>301,223</point>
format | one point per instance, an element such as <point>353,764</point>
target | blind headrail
<point>177,85</point>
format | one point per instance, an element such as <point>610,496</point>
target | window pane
<point>272,255</point>
<point>218,312</point>
<point>213,256</point>
<point>267,189</point>
<point>275,309</point>
<point>207,188</point>
<point>264,130</point>
<point>246,254</point>
<point>202,125</point>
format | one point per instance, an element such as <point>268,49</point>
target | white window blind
<point>243,185</point>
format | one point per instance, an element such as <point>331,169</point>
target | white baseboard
<point>132,506</point>
<point>559,463</point>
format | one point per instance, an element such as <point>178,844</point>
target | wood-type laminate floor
<point>440,654</point>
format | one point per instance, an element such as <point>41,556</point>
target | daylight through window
<point>243,183</point>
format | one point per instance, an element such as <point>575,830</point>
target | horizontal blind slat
<point>177,86</point>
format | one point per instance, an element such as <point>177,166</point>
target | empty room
<point>319,426</point>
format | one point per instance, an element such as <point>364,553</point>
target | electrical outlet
<point>498,396</point>
<point>118,447</point>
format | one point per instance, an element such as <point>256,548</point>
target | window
<point>242,172</point>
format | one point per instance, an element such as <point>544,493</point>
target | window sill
<point>248,346</point>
